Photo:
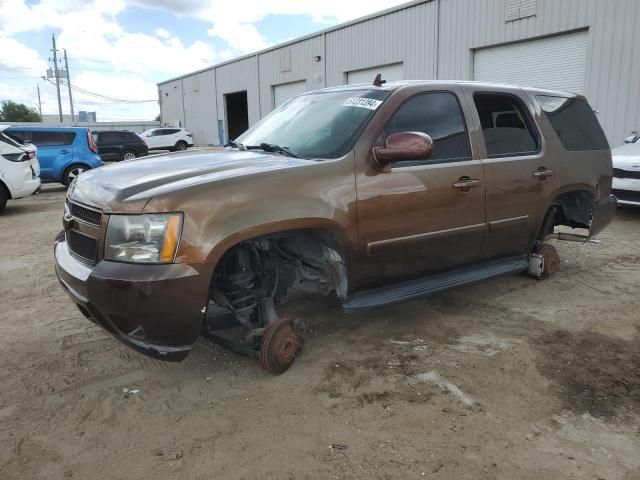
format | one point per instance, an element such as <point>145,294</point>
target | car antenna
<point>378,81</point>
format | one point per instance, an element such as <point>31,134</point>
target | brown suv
<point>380,193</point>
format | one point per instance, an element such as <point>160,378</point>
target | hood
<point>129,185</point>
<point>626,156</point>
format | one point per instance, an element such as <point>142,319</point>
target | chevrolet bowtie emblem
<point>67,221</point>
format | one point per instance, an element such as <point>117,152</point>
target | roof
<point>47,128</point>
<point>396,85</point>
<point>293,41</point>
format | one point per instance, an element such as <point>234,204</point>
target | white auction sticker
<point>370,103</point>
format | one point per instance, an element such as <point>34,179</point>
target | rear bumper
<point>603,212</point>
<point>157,310</point>
<point>627,190</point>
<point>29,187</point>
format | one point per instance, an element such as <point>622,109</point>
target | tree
<point>157,118</point>
<point>17,112</point>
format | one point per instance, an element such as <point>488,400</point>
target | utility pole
<point>39,101</point>
<point>57,74</point>
<point>66,67</point>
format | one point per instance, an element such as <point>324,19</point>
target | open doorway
<point>237,114</point>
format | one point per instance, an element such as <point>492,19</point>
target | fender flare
<point>254,231</point>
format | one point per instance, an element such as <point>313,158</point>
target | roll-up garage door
<point>390,73</point>
<point>557,63</point>
<point>282,93</point>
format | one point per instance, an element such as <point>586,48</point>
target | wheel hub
<point>551,260</point>
<point>281,343</point>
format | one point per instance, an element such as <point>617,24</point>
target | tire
<point>4,196</point>
<point>128,155</point>
<point>181,146</point>
<point>71,172</point>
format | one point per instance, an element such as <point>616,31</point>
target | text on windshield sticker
<point>369,103</point>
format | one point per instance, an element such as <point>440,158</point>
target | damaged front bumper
<point>157,310</point>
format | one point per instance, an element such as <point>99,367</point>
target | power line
<point>100,96</point>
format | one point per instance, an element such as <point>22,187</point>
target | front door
<point>154,140</point>
<point>520,177</point>
<point>422,216</point>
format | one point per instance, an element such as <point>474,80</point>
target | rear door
<point>108,145</point>
<point>520,174</point>
<point>428,215</point>
<point>170,137</point>
<point>55,151</point>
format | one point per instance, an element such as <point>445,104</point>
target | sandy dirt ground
<point>510,379</point>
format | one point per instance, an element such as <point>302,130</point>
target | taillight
<point>91,143</point>
<point>188,134</point>
<point>32,155</point>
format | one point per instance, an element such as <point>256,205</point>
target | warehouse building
<point>583,46</point>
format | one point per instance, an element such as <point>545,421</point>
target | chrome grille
<point>86,248</point>
<point>85,214</point>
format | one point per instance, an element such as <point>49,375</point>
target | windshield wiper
<point>272,147</point>
<point>234,144</point>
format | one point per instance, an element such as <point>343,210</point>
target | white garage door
<point>282,93</point>
<point>390,73</point>
<point>557,63</point>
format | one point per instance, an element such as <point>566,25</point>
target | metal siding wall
<point>201,116</point>
<point>171,103</point>
<point>236,77</point>
<point>612,82</point>
<point>407,36</point>
<point>303,67</point>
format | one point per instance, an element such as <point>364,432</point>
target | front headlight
<point>148,238</point>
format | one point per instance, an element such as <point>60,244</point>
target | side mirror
<point>403,146</point>
<point>631,138</point>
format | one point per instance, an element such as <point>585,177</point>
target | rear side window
<point>45,139</point>
<point>438,115</point>
<point>109,137</point>
<point>170,131</point>
<point>575,123</point>
<point>506,124</point>
<point>129,136</point>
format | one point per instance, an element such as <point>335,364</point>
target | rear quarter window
<point>574,122</point>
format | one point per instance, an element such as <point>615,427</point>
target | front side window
<point>507,126</point>
<point>575,123</point>
<point>317,125</point>
<point>437,114</point>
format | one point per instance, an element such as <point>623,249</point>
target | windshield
<point>322,125</point>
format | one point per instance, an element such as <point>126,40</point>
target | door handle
<point>542,172</point>
<point>64,151</point>
<point>466,183</point>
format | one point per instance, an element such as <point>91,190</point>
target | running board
<point>433,284</point>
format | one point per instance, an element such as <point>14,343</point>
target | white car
<point>626,172</point>
<point>174,139</point>
<point>19,169</point>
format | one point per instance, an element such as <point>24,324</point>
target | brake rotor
<point>551,260</point>
<point>281,343</point>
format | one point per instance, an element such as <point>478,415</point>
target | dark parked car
<point>120,145</point>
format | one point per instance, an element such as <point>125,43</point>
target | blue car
<point>63,152</point>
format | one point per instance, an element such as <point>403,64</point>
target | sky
<point>121,48</point>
